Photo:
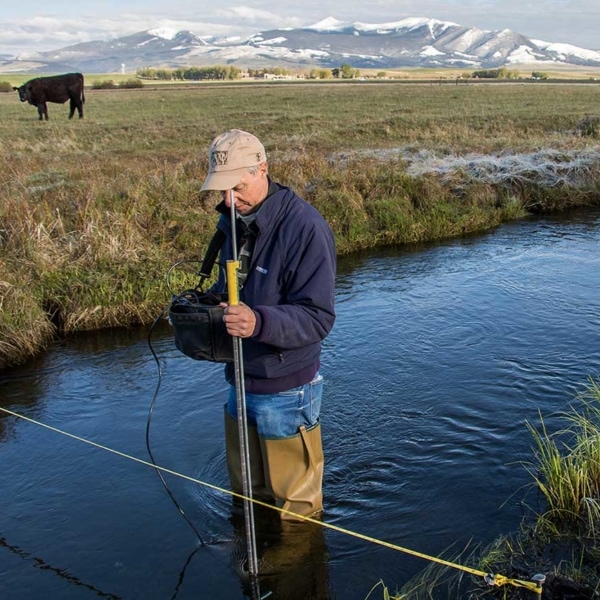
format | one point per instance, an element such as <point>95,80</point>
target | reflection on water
<point>439,357</point>
<point>62,573</point>
<point>292,561</point>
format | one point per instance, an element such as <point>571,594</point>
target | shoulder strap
<point>211,254</point>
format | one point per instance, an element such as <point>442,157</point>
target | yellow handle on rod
<point>232,283</point>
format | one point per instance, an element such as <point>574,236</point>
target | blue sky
<point>35,25</point>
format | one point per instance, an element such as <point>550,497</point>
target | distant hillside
<point>415,42</point>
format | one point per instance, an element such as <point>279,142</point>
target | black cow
<point>58,88</point>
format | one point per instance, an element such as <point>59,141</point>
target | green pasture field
<point>323,116</point>
<point>94,211</point>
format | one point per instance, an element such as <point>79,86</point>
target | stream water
<point>440,356</point>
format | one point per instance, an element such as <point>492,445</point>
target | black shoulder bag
<point>197,318</point>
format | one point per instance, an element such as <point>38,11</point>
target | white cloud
<point>51,33</point>
<point>245,15</point>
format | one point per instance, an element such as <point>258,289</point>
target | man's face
<point>249,192</point>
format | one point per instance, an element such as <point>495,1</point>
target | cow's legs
<point>74,104</point>
<point>43,110</point>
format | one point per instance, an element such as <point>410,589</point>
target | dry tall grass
<point>94,211</point>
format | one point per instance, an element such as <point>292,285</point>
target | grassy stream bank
<point>95,211</point>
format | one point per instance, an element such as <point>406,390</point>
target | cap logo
<point>219,158</point>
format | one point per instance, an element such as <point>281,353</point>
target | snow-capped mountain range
<point>412,42</point>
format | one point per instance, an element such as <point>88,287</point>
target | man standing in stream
<point>287,280</point>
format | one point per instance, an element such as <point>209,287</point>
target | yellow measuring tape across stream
<point>490,578</point>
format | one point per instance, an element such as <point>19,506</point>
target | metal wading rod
<point>233,293</point>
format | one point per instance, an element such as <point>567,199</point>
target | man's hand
<point>239,320</point>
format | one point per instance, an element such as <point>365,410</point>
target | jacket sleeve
<point>306,313</point>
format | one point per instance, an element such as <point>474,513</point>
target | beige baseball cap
<point>230,156</point>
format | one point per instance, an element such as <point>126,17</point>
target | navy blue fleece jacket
<point>290,287</point>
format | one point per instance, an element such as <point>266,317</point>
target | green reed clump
<point>567,469</point>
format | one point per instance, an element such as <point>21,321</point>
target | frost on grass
<point>546,168</point>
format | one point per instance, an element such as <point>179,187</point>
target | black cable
<point>174,298</point>
<point>150,411</point>
<point>182,573</point>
